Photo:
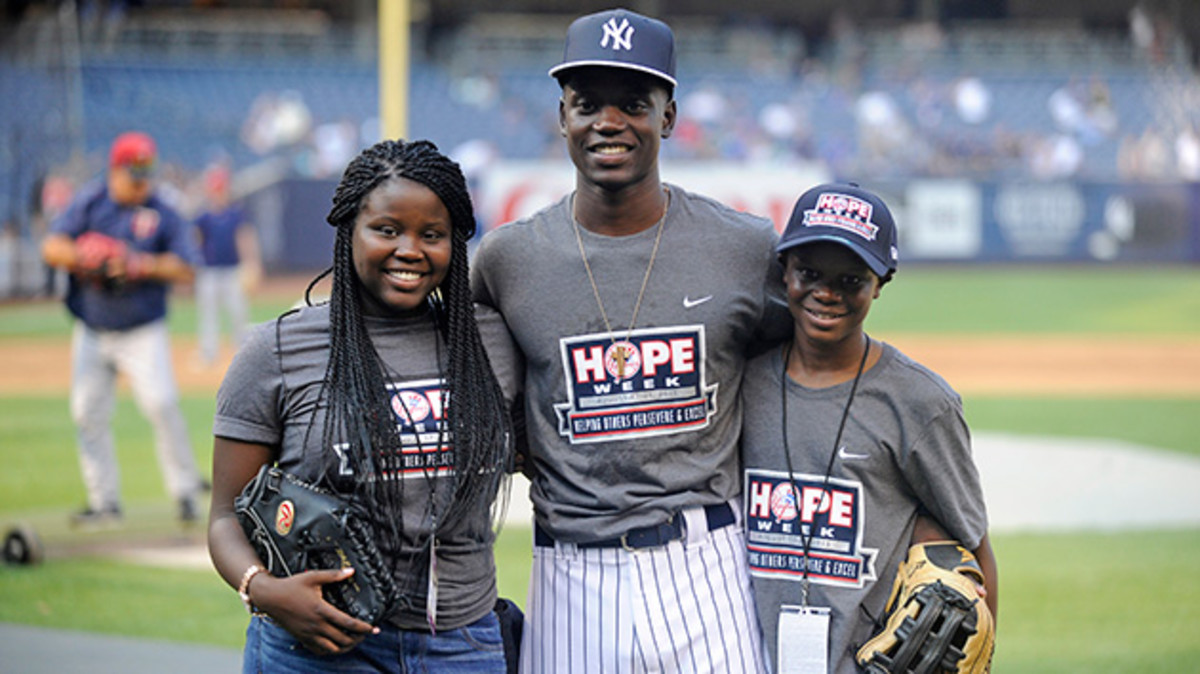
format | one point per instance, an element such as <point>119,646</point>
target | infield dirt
<point>990,365</point>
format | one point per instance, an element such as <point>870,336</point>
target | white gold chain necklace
<point>623,350</point>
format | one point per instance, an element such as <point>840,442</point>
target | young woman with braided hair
<point>386,396</point>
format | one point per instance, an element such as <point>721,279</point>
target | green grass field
<point>1080,602</point>
<point>1033,301</point>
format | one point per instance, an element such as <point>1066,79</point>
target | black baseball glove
<point>295,526</point>
<point>935,621</point>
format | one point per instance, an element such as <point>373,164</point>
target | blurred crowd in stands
<point>909,101</point>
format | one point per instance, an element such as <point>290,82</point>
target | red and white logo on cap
<point>844,212</point>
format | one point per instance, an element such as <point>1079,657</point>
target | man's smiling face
<point>614,121</point>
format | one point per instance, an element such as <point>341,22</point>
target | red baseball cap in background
<point>216,179</point>
<point>135,151</point>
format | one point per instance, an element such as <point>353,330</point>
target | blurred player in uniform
<point>123,246</point>
<point>852,450</point>
<point>230,265</point>
<point>635,303</point>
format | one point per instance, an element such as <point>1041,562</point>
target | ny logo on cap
<point>621,34</point>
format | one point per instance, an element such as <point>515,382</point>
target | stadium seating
<point>195,94</point>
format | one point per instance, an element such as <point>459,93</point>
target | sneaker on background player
<point>188,511</point>
<point>91,518</point>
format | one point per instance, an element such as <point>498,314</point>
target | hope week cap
<point>619,38</point>
<point>135,151</point>
<point>847,214</point>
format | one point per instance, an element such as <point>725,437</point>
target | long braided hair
<point>356,376</point>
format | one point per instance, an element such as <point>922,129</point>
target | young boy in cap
<point>123,246</point>
<point>635,304</point>
<point>852,451</point>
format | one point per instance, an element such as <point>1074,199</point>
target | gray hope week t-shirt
<point>613,444</point>
<point>268,399</point>
<point>905,445</point>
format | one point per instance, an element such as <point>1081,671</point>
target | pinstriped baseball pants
<point>683,607</point>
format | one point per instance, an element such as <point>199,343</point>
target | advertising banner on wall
<point>1045,222</point>
<point>937,220</point>
<point>1075,222</point>
<point>514,189</point>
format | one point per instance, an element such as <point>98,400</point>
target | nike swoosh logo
<point>688,303</point>
<point>850,456</point>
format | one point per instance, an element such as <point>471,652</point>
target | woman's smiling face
<point>401,246</point>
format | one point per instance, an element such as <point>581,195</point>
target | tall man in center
<point>635,303</point>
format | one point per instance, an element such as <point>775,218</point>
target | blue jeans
<point>467,650</point>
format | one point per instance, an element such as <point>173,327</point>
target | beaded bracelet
<point>244,589</point>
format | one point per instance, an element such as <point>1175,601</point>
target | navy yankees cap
<point>847,214</point>
<point>619,38</point>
